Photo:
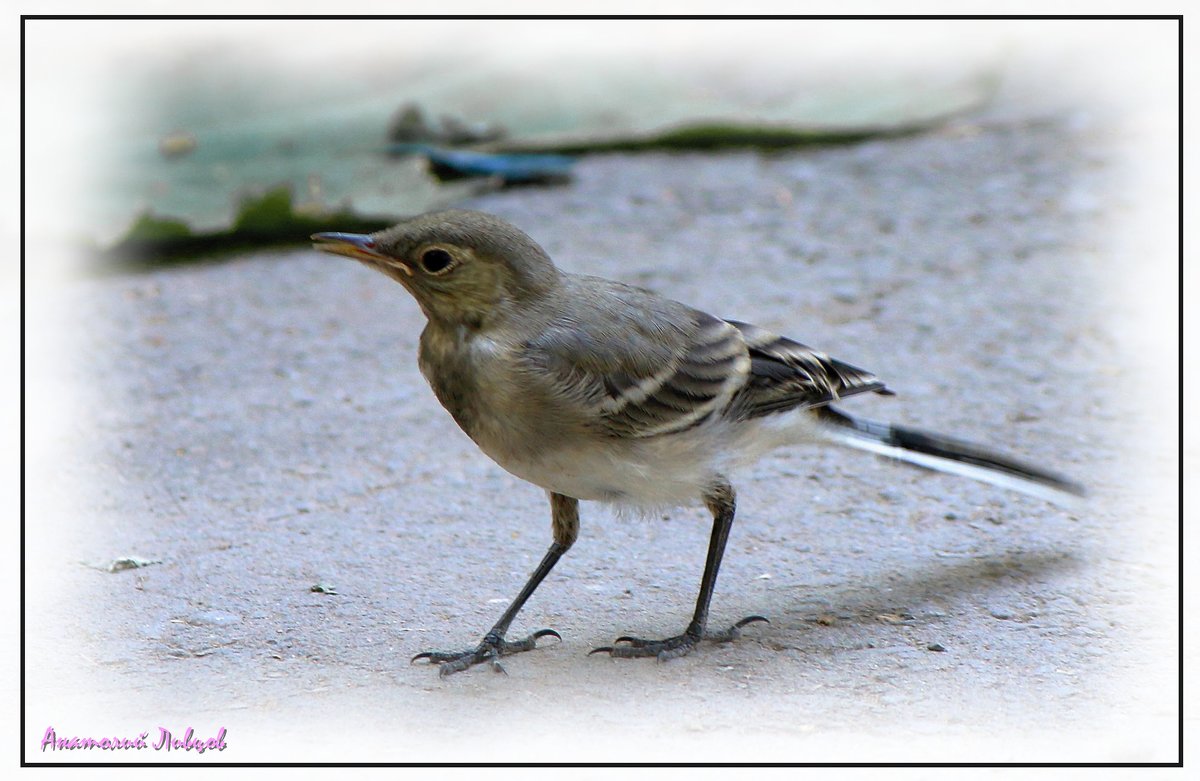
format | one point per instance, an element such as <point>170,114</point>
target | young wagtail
<point>597,390</point>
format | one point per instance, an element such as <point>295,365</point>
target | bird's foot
<point>489,651</point>
<point>673,647</point>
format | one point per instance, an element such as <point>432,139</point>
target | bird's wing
<point>642,366</point>
<point>657,377</point>
<point>710,367</point>
<point>787,375</point>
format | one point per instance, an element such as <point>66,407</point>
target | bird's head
<point>463,267</point>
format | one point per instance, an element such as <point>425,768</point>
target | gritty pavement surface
<point>258,427</point>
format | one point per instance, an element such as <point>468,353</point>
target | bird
<point>595,390</point>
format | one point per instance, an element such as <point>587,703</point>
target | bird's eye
<point>436,261</point>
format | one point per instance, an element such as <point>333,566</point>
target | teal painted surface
<point>317,125</point>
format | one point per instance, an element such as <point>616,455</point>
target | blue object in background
<point>511,168</point>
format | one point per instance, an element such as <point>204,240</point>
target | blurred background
<point>185,139</point>
<point>983,210</point>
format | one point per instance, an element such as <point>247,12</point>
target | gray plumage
<point>598,390</point>
<point>589,387</point>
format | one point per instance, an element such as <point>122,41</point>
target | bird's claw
<point>628,647</point>
<point>489,651</point>
<point>735,631</point>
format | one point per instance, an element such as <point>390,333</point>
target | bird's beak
<point>353,245</point>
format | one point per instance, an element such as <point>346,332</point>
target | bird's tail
<point>934,451</point>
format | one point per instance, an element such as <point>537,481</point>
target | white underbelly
<point>642,474</point>
<point>657,471</point>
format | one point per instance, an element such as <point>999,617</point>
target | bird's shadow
<point>905,596</point>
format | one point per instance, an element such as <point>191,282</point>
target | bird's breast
<point>460,379</point>
<point>479,382</point>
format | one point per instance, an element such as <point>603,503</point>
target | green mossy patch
<point>262,221</point>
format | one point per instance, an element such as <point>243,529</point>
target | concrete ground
<point>258,427</point>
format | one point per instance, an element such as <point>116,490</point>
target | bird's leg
<point>564,512</point>
<point>720,499</point>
